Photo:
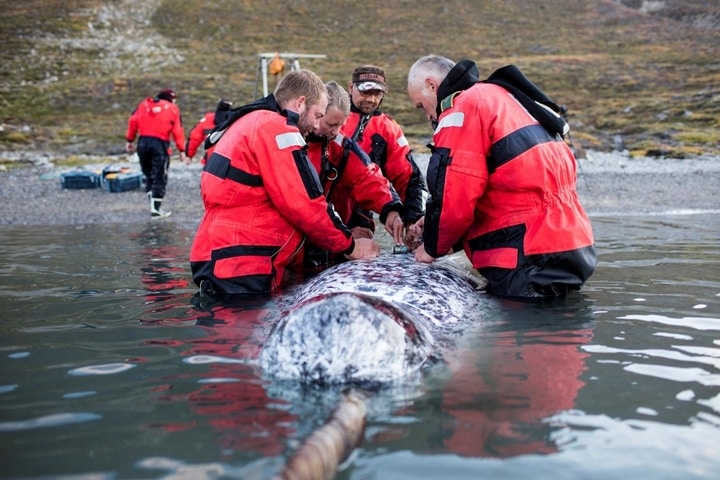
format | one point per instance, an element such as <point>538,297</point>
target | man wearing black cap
<point>155,120</point>
<point>384,141</point>
<point>203,127</point>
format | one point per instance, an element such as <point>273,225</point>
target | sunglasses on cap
<point>370,86</point>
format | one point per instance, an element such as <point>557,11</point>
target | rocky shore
<point>608,184</point>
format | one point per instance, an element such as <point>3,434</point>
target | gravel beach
<point>608,184</point>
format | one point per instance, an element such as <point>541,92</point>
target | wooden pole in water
<point>327,447</point>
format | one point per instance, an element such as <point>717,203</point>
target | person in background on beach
<point>348,177</point>
<point>380,136</point>
<point>202,129</point>
<point>156,120</point>
<point>501,180</point>
<point>263,197</point>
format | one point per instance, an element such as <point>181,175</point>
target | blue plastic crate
<point>80,179</point>
<point>123,182</point>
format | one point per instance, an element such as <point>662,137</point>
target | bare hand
<point>413,237</point>
<point>364,249</point>
<point>361,232</point>
<point>394,226</point>
<point>185,158</point>
<point>129,147</point>
<point>422,256</point>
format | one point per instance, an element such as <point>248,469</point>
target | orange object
<point>276,65</point>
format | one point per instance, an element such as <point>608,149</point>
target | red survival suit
<point>349,179</point>
<point>197,136</point>
<point>384,141</point>
<point>260,194</point>
<point>504,185</point>
<point>203,128</point>
<point>155,120</point>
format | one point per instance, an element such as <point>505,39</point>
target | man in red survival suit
<point>155,120</point>
<point>348,177</point>
<point>380,136</point>
<point>501,180</point>
<point>262,196</point>
<point>203,128</point>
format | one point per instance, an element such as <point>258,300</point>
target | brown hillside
<point>632,75</point>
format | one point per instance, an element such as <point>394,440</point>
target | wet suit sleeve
<point>197,135</point>
<point>401,169</point>
<point>457,177</point>
<point>132,127</point>
<point>177,131</point>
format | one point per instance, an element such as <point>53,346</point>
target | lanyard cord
<point>357,135</point>
<point>328,172</point>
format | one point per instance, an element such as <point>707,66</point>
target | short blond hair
<point>300,83</point>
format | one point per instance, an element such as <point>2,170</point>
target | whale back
<point>368,322</point>
<point>442,292</point>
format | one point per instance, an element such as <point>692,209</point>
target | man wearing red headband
<point>383,140</point>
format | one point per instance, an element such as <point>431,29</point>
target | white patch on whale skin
<point>372,321</point>
<point>346,338</point>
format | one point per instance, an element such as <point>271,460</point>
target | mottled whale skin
<point>370,322</point>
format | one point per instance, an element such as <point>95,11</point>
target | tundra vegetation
<point>641,76</point>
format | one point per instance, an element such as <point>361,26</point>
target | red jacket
<point>350,178</point>
<point>197,136</point>
<point>502,185</point>
<point>158,119</point>
<point>385,143</point>
<point>261,197</point>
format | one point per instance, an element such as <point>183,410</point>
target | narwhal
<point>370,322</point>
<point>367,325</point>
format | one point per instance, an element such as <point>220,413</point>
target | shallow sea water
<point>110,368</point>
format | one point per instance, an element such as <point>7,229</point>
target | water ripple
<point>54,420</point>
<point>698,323</point>
<point>711,356</point>
<point>8,388</point>
<point>203,359</point>
<point>676,374</point>
<point>107,369</point>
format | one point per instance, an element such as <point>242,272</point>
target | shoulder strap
<point>347,145</point>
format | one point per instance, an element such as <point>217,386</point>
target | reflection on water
<point>112,368</point>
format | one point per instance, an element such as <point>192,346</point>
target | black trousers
<point>154,162</point>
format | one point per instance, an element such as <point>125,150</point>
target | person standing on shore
<point>203,128</point>
<point>263,197</point>
<point>502,180</point>
<point>155,120</point>
<point>382,138</point>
